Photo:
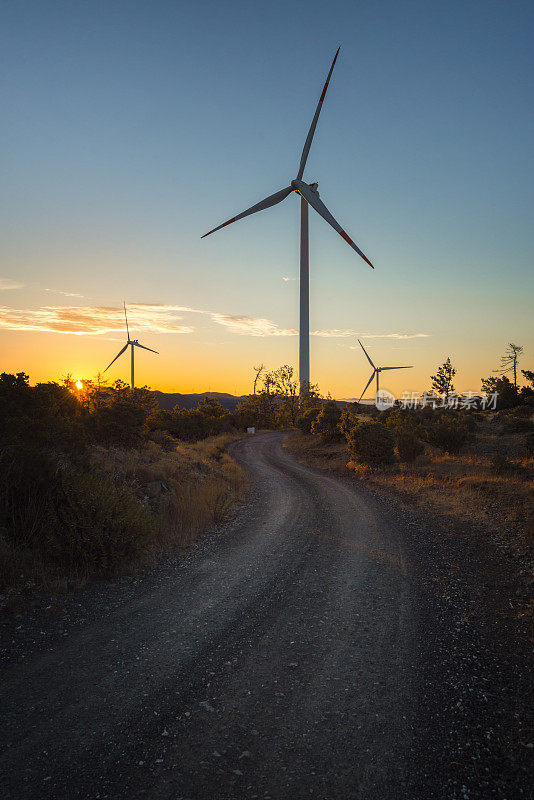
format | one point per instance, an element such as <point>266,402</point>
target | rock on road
<point>294,653</point>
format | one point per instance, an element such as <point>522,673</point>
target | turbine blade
<point>411,367</point>
<point>126,318</point>
<point>367,384</point>
<point>116,357</point>
<point>315,201</point>
<point>366,354</point>
<point>272,200</point>
<point>145,348</point>
<point>307,144</point>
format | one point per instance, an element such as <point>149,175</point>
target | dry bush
<point>128,507</point>
<point>185,489</point>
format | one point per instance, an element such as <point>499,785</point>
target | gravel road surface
<point>299,651</point>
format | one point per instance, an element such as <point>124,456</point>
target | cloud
<point>6,284</point>
<point>337,333</point>
<point>252,326</point>
<point>333,333</point>
<point>65,294</point>
<point>390,336</point>
<point>155,318</point>
<point>94,320</point>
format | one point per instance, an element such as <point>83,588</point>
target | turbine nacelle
<point>296,184</point>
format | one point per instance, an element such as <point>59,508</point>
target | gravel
<point>320,644</point>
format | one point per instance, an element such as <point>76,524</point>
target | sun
<point>79,384</point>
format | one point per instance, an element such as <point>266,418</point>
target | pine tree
<point>442,380</point>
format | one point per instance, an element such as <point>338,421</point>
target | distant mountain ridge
<point>168,400</point>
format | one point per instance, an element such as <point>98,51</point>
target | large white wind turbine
<point>130,343</point>
<point>376,371</point>
<point>308,196</point>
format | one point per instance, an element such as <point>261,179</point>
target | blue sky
<point>132,128</point>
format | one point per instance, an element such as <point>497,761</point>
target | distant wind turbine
<point>308,195</point>
<point>130,343</point>
<point>376,371</point>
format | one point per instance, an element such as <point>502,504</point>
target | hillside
<point>168,400</point>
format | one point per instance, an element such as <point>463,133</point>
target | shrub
<point>93,526</point>
<point>121,422</point>
<point>348,419</point>
<point>529,443</point>
<point>470,421</point>
<point>257,410</point>
<point>409,446</point>
<point>501,465</point>
<point>307,419</point>
<point>447,433</point>
<point>326,424</point>
<point>518,424</point>
<point>371,443</point>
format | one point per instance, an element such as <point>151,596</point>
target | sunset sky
<point>132,128</point>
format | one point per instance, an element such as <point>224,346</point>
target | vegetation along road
<point>307,648</point>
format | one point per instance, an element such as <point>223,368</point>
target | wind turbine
<point>376,371</point>
<point>130,343</point>
<point>308,196</point>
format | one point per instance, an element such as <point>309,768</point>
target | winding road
<point>298,651</point>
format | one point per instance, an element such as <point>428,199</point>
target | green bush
<point>348,419</point>
<point>326,424</point>
<point>409,446</point>
<point>447,433</point>
<point>371,443</point>
<point>307,419</point>
<point>120,423</point>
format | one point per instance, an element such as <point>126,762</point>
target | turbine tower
<point>130,343</point>
<point>376,371</point>
<point>308,196</point>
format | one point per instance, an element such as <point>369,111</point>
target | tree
<point>529,375</point>
<point>257,410</point>
<point>287,390</point>
<point>310,397</point>
<point>307,419</point>
<point>213,416</point>
<point>506,393</point>
<point>510,360</point>
<point>258,372</point>
<point>442,380</point>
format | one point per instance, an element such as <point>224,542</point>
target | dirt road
<point>299,652</point>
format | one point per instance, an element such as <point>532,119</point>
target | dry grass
<point>185,489</point>
<point>462,488</point>
<point>166,500</point>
